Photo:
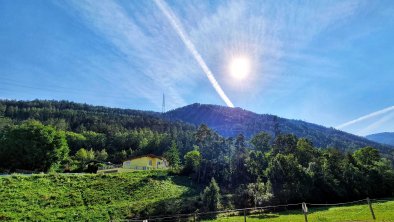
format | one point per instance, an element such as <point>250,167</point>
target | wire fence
<point>361,210</point>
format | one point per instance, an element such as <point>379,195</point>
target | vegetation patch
<point>91,196</point>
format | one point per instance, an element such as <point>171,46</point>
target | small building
<point>146,162</point>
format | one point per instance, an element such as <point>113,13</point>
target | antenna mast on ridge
<point>163,109</point>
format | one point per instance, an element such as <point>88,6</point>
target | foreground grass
<point>91,197</point>
<point>384,211</point>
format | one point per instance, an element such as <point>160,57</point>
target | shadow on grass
<point>194,188</point>
<point>263,216</point>
<point>184,203</point>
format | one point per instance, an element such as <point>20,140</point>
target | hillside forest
<point>62,136</point>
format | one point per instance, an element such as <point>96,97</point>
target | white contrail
<point>367,130</point>
<point>190,46</point>
<point>377,113</point>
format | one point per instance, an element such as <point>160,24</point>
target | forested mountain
<point>385,138</point>
<point>281,165</point>
<point>230,122</point>
<point>122,131</point>
<point>115,124</point>
<point>79,117</point>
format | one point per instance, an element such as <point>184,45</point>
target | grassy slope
<point>384,211</point>
<point>91,197</point>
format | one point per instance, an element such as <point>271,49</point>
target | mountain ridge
<point>383,137</point>
<point>228,122</point>
<point>231,121</point>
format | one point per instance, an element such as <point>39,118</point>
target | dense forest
<point>44,136</point>
<point>230,122</point>
<point>94,127</point>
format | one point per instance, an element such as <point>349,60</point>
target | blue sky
<point>326,62</point>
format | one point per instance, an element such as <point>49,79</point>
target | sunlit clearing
<point>239,67</point>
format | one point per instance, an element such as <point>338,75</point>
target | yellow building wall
<point>142,163</point>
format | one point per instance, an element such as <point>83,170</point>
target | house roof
<point>148,155</point>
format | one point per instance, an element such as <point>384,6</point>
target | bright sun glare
<point>239,67</point>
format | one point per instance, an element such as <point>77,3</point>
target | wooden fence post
<point>370,208</point>
<point>305,211</point>
<point>244,215</point>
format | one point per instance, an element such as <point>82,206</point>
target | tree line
<point>254,172</point>
<point>286,169</point>
<point>63,136</point>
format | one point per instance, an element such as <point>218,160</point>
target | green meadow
<point>95,197</point>
<point>91,197</point>
<point>384,211</point>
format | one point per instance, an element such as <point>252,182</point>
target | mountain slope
<point>93,197</point>
<point>78,117</point>
<point>232,121</point>
<point>227,121</point>
<point>97,127</point>
<point>385,138</point>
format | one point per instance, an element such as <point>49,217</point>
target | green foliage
<point>261,142</point>
<point>94,140</point>
<point>88,197</point>
<point>305,152</point>
<point>211,196</point>
<point>367,155</point>
<point>2,110</point>
<point>81,155</point>
<point>285,144</point>
<point>101,155</point>
<point>254,194</point>
<point>257,163</point>
<point>97,128</point>
<point>5,122</point>
<point>75,141</point>
<point>32,146</point>
<point>172,156</point>
<point>289,180</point>
<point>119,157</point>
<point>192,161</point>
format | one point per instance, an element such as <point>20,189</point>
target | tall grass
<point>92,197</point>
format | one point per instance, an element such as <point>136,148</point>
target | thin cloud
<point>186,40</point>
<point>271,33</point>
<point>148,79</point>
<point>366,117</point>
<point>372,127</point>
<point>268,32</point>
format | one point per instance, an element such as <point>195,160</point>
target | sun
<point>239,67</point>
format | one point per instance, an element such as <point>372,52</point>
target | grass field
<point>384,211</point>
<point>91,197</point>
